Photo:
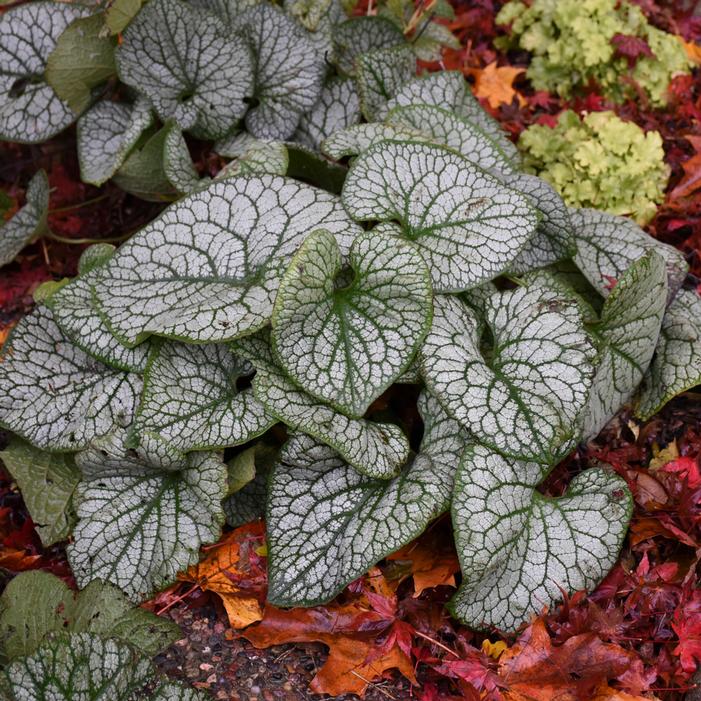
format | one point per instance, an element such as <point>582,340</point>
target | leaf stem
<point>87,203</point>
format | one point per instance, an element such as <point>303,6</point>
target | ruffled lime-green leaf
<point>344,335</point>
<point>30,111</point>
<point>53,394</point>
<point>676,366</point>
<point>82,59</point>
<point>468,226</point>
<point>139,525</point>
<point>522,395</point>
<point>375,449</point>
<point>106,134</point>
<point>37,604</point>
<point>191,67</point>
<point>608,245</point>
<point>208,268</point>
<point>289,71</point>
<point>327,523</point>
<point>191,402</point>
<point>361,35</point>
<point>629,327</point>
<point>518,549</point>
<point>360,137</point>
<point>28,222</point>
<point>47,482</point>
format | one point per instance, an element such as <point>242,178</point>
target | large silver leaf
<point>346,339</point>
<point>55,395</point>
<point>30,111</point>
<point>327,523</point>
<point>189,65</point>
<point>524,396</point>
<point>360,35</point>
<point>628,330</point>
<point>360,137</point>
<point>468,226</point>
<point>518,549</point>
<point>208,268</point>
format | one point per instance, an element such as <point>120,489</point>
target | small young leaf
<point>191,68</point>
<point>81,60</point>
<point>309,13</point>
<point>523,399</point>
<point>360,137</point>
<point>241,470</point>
<point>106,134</point>
<point>120,13</point>
<point>676,366</point>
<point>327,524</point>
<point>30,111</point>
<point>630,325</point>
<point>361,35</point>
<point>248,503</point>
<point>238,235</point>
<point>289,71</point>
<point>28,222</point>
<point>139,525</point>
<point>518,548</point>
<point>53,394</point>
<point>178,167</point>
<point>47,482</point>
<point>608,245</point>
<point>190,399</point>
<point>253,156</point>
<point>380,74</point>
<point>360,329</point>
<point>467,225</point>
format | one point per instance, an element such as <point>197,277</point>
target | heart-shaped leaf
<point>27,223</point>
<point>360,327</point>
<point>468,226</point>
<point>139,525</point>
<point>361,35</point>
<point>338,107</point>
<point>208,268</point>
<point>327,523</point>
<point>107,132</point>
<point>629,327</point>
<point>676,366</point>
<point>523,396</point>
<point>53,394</point>
<point>375,449</point>
<point>289,71</point>
<point>519,549</point>
<point>30,111</point>
<point>191,68</point>
<point>607,245</point>
<point>47,482</point>
<point>191,401</point>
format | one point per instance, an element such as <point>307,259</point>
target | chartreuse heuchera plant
<point>599,161</point>
<point>606,42</point>
<point>374,234</point>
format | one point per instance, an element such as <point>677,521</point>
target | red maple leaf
<point>632,48</point>
<point>687,626</point>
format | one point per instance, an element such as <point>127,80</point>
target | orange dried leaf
<point>17,560</point>
<point>495,84</point>
<point>693,50</point>
<point>692,172</point>
<point>428,563</point>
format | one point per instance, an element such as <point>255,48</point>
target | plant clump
<point>599,161</point>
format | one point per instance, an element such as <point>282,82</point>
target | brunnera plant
<point>378,240</point>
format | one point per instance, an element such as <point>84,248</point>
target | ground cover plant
<point>369,317</point>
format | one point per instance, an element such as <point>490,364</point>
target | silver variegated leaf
<point>445,127</point>
<point>228,10</point>
<point>172,691</point>
<point>375,449</point>
<point>468,226</point>
<point>139,525</point>
<point>30,111</point>
<point>289,71</point>
<point>106,134</point>
<point>628,330</point>
<point>55,395</point>
<point>252,156</point>
<point>607,245</point>
<point>327,523</point>
<point>191,402</point>
<point>361,35</point>
<point>344,335</point>
<point>28,222</point>
<point>47,482</point>
<point>360,137</point>
<point>676,366</point>
<point>380,74</point>
<point>190,66</point>
<point>178,167</point>
<point>208,268</point>
<point>524,397</point>
<point>518,549</point>
<point>338,107</point>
